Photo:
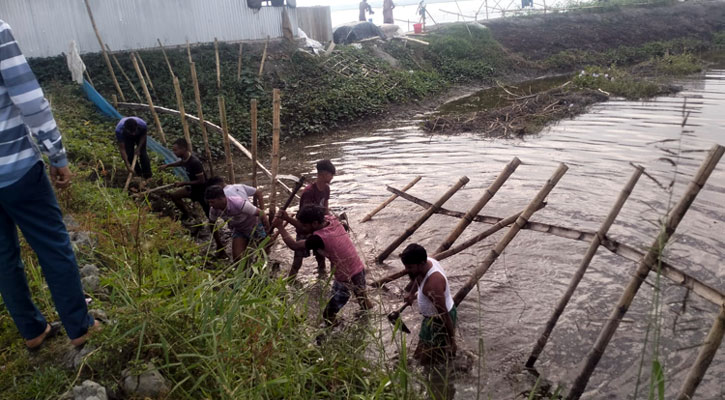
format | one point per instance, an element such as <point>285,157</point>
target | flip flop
<point>54,329</point>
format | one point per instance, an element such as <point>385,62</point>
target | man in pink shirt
<point>329,239</point>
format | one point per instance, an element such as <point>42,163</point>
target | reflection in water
<point>516,296</point>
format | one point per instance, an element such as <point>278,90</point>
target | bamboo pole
<point>182,112</point>
<point>579,274</point>
<point>227,147</point>
<point>704,357</point>
<point>264,57</point>
<point>105,54</point>
<point>188,51</point>
<point>276,104</point>
<point>648,262</point>
<point>114,99</point>
<point>253,118</point>
<point>389,200</point>
<point>427,214</point>
<point>487,196</point>
<point>493,254</point>
<point>118,64</point>
<point>146,74</point>
<point>130,174</point>
<point>156,189</point>
<point>168,63</point>
<point>218,66</point>
<point>239,63</point>
<point>200,111</point>
<point>148,99</point>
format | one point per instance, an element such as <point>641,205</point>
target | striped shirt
<point>24,112</point>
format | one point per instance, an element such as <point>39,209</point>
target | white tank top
<point>425,305</point>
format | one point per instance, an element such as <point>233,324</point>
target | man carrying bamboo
<point>430,286</point>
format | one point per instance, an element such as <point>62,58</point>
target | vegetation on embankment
<point>213,333</point>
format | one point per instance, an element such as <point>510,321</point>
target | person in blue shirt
<point>131,137</point>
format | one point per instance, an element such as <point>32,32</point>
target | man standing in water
<point>388,12</point>
<point>430,286</point>
<point>364,6</point>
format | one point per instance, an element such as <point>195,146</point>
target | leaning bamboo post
<point>704,357</point>
<point>389,200</point>
<point>114,99</point>
<point>276,103</point>
<point>487,196</point>
<point>188,51</point>
<point>253,118</point>
<point>157,121</point>
<point>200,111</point>
<point>118,64</point>
<point>239,63</point>
<point>648,262</point>
<point>579,274</point>
<point>105,54</point>
<point>130,174</point>
<point>182,112</point>
<point>218,66</point>
<point>163,51</point>
<point>427,214</point>
<point>534,205</point>
<point>264,57</point>
<point>227,146</point>
<point>146,74</point>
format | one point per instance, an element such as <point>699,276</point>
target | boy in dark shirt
<point>131,138</point>
<point>195,186</point>
<point>317,193</point>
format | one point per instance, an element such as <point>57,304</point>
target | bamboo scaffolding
<point>227,147</point>
<point>105,54</point>
<point>264,57</point>
<point>579,274</point>
<point>648,262</point>
<point>210,126</point>
<point>427,214</point>
<point>168,63</point>
<point>389,200</point>
<point>118,64</point>
<point>146,74</point>
<point>218,66</point>
<point>239,63</point>
<point>182,112</point>
<point>668,270</point>
<point>200,111</point>
<point>493,254</point>
<point>487,196</point>
<point>704,357</point>
<point>253,120</point>
<point>276,104</point>
<point>150,104</point>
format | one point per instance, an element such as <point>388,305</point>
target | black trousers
<point>143,165</point>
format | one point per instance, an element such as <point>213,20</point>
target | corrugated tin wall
<point>45,27</point>
<point>316,22</point>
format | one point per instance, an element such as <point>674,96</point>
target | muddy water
<point>519,291</point>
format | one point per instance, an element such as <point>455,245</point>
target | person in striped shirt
<point>27,201</point>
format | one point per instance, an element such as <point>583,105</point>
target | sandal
<point>50,333</point>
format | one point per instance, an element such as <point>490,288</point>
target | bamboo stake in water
<point>579,274</point>
<point>487,196</point>
<point>276,104</point>
<point>105,54</point>
<point>253,118</point>
<point>218,66</point>
<point>239,63</point>
<point>118,64</point>
<point>648,262</point>
<point>182,112</point>
<point>227,146</point>
<point>417,224</point>
<point>704,357</point>
<point>264,57</point>
<point>200,111</point>
<point>146,74</point>
<point>168,63</point>
<point>534,205</point>
<point>389,200</point>
<point>157,121</point>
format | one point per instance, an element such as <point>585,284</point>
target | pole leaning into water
<point>704,357</point>
<point>227,145</point>
<point>145,88</point>
<point>427,214</point>
<point>200,111</point>
<point>579,274</point>
<point>645,265</point>
<point>534,205</point>
<point>487,196</point>
<point>389,200</point>
<point>182,112</point>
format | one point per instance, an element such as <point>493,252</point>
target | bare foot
<point>38,340</point>
<point>82,340</point>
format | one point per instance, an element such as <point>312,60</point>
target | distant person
<point>431,289</point>
<point>421,11</point>
<point>364,6</point>
<point>330,239</point>
<point>193,188</point>
<point>388,6</point>
<point>27,201</point>
<point>316,193</point>
<point>131,137</point>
